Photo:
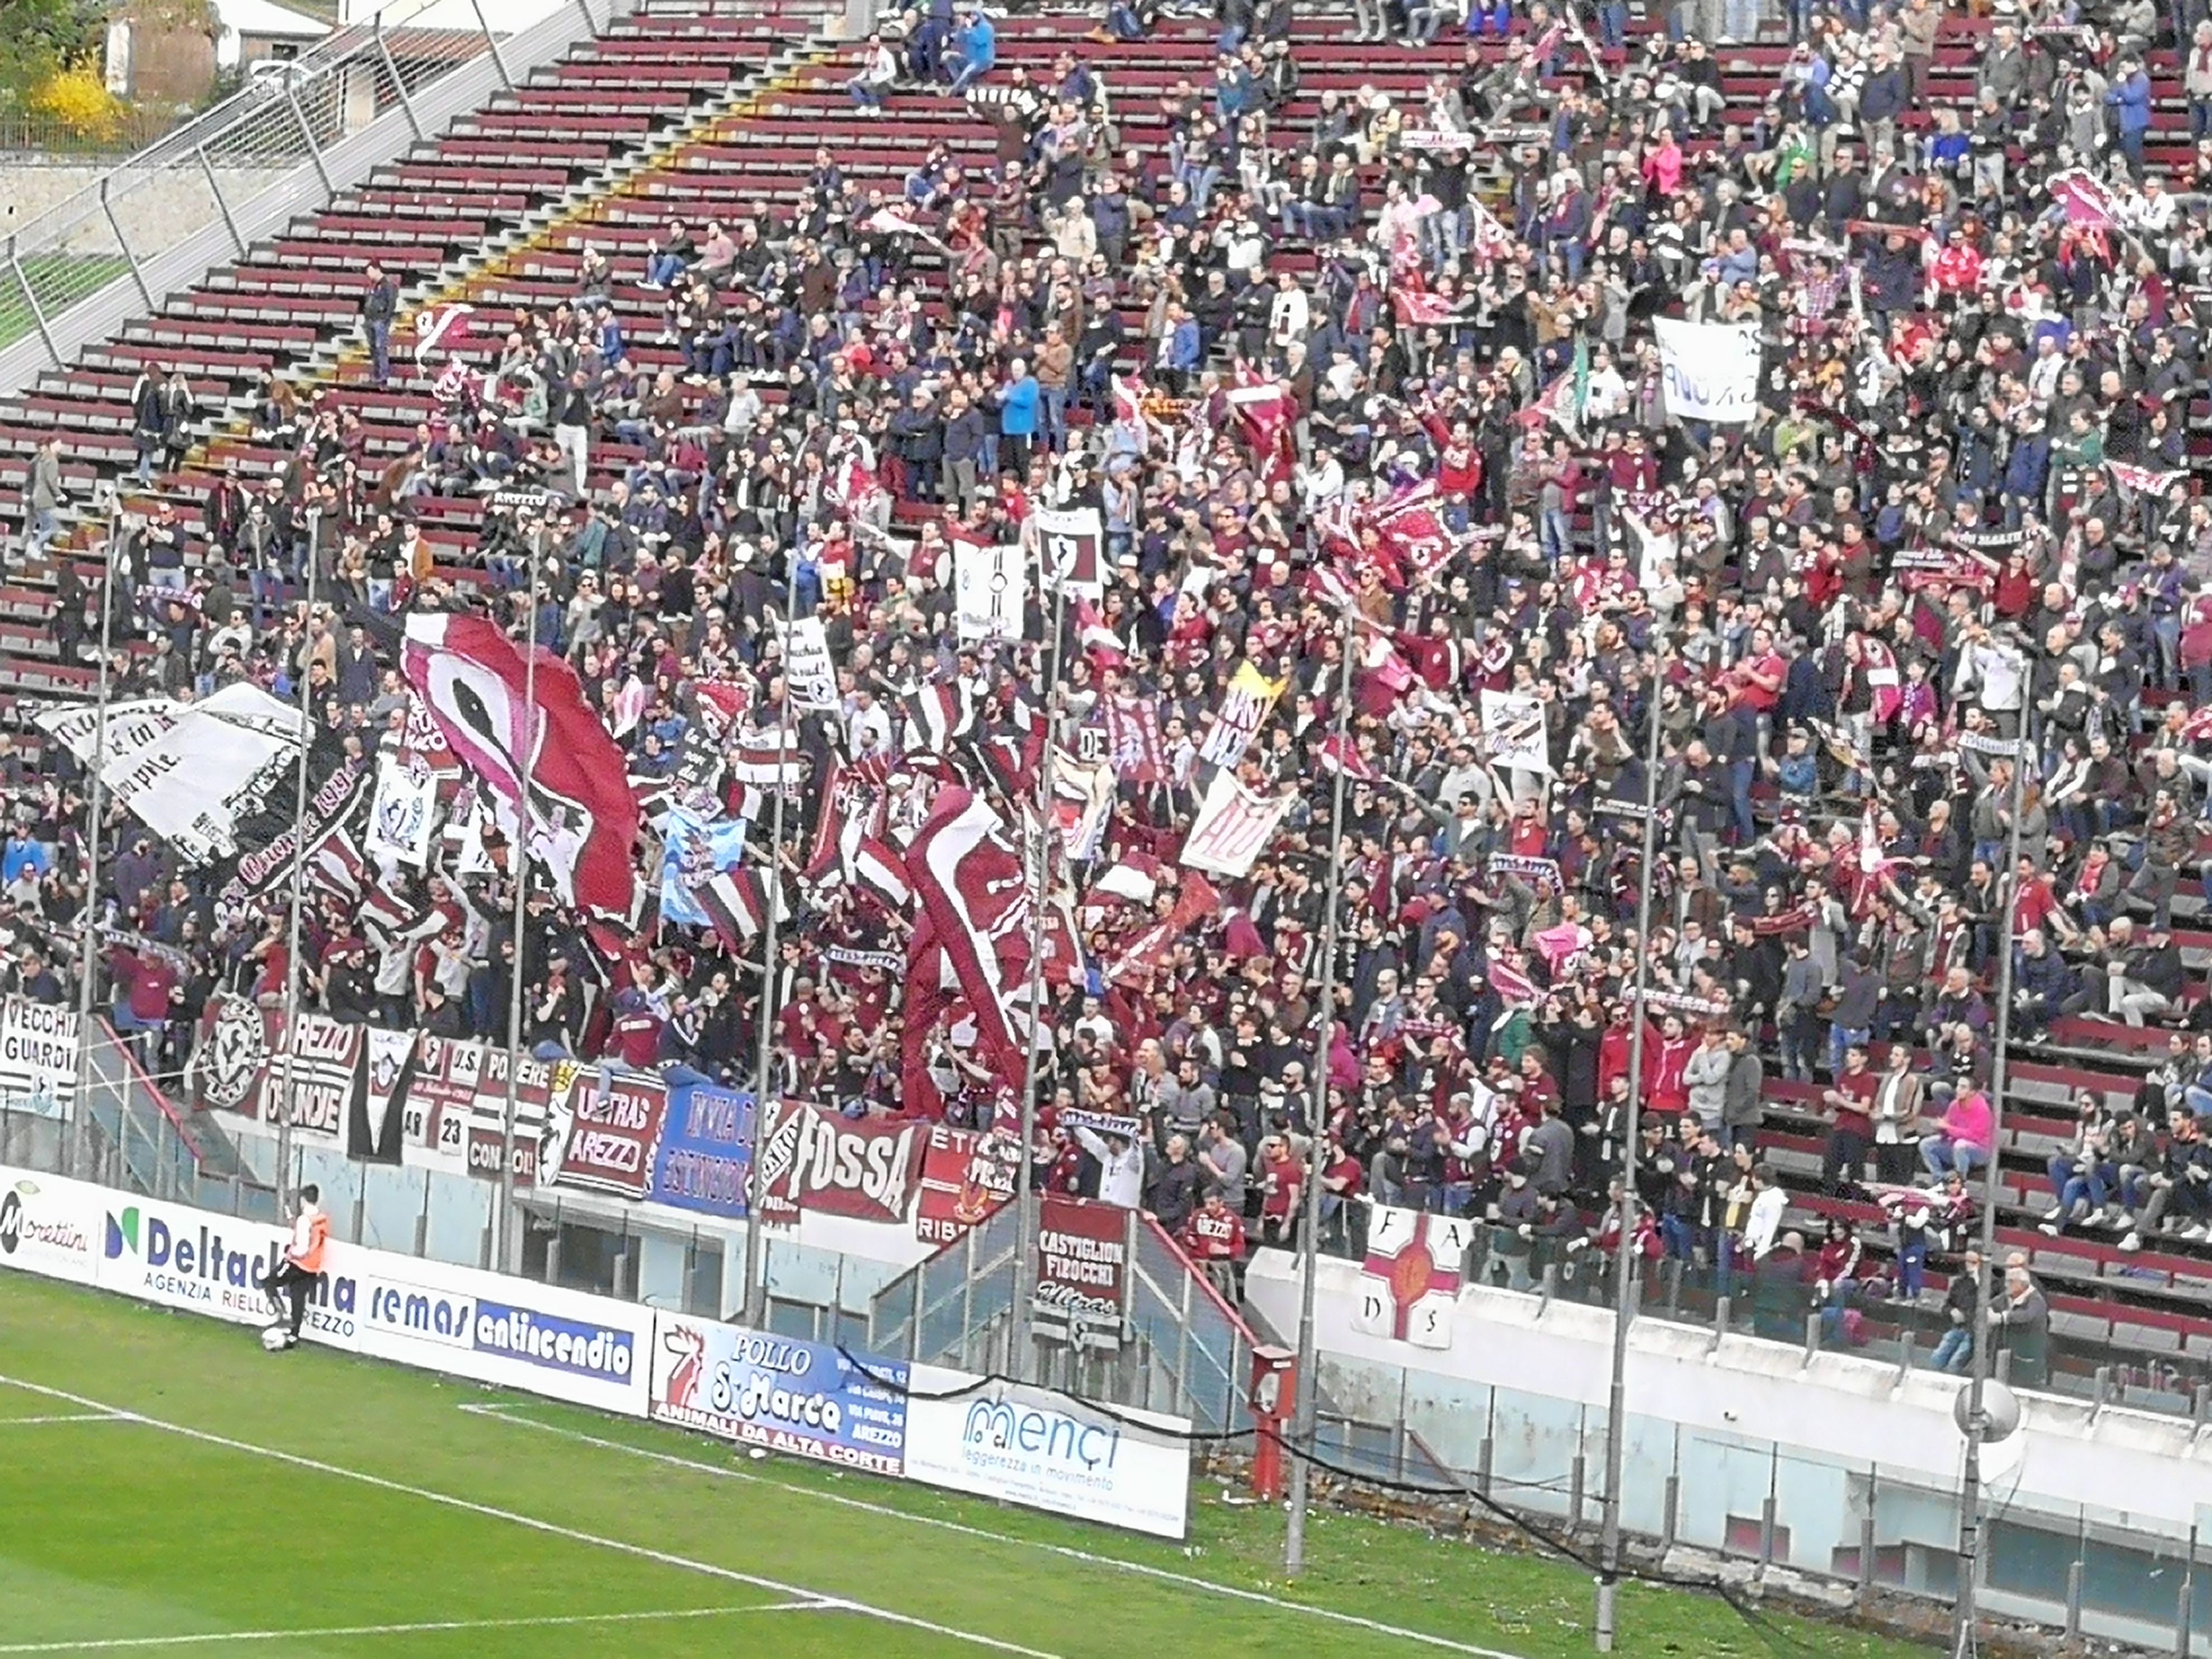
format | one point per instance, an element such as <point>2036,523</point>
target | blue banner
<point>706,1157</point>
<point>803,1398</point>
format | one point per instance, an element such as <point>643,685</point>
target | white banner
<point>1513,725</point>
<point>181,767</point>
<point>1028,1446</point>
<point>811,676</point>
<point>988,586</point>
<point>1233,824</point>
<point>38,1058</point>
<point>403,816</point>
<point>1409,1283</point>
<point>1710,370</point>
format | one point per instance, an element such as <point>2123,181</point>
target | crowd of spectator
<point>1946,592</point>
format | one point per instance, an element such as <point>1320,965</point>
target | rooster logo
<point>690,1346</point>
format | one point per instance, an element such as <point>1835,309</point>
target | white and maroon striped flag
<point>1233,824</point>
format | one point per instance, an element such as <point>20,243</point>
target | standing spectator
<point>2020,1324</point>
<point>379,304</point>
<point>1849,1101</point>
<point>43,500</point>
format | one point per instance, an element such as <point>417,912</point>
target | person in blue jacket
<point>1019,401</point>
<point>978,50</point>
<point>2130,100</point>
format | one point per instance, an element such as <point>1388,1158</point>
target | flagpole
<point>1304,1381</point>
<point>284,1182</point>
<point>1024,1355</point>
<point>87,939</point>
<point>518,862</point>
<point>1964,1633</point>
<point>756,1304</point>
<point>1624,1264</point>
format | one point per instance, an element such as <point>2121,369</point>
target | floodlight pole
<point>88,930</point>
<point>1022,1359</point>
<point>1624,1265</point>
<point>519,868</point>
<point>284,1181</point>
<point>1964,1635</point>
<point>755,1302</point>
<point>1304,1384</point>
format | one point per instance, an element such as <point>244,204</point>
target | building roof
<point>265,17</point>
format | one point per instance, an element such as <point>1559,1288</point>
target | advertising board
<point>587,1349</point>
<point>805,1398</point>
<point>50,1226</point>
<point>1032,1447</point>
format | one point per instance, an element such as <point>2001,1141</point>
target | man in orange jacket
<point>296,1275</point>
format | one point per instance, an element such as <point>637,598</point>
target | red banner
<point>533,1095</point>
<point>964,1178</point>
<point>1083,1258</point>
<point>611,1131</point>
<point>816,1160</point>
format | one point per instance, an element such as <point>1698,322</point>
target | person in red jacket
<point>1213,1238</point>
<point>1282,1181</point>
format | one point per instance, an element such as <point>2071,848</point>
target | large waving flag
<point>532,737</point>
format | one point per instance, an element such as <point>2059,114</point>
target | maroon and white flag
<point>973,893</point>
<point>540,750</point>
<point>1133,743</point>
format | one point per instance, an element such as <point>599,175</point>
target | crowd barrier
<point>940,1427</point>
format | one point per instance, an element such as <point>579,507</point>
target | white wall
<point>2127,1468</point>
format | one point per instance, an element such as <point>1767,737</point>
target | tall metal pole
<point>1301,1407</point>
<point>756,1304</point>
<point>299,900</point>
<point>1024,1355</point>
<point>1624,1265</point>
<point>519,867</point>
<point>89,931</point>
<point>1970,1486</point>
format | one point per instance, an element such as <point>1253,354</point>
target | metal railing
<point>26,138</point>
<point>132,1138</point>
<point>1183,1351</point>
<point>285,144</point>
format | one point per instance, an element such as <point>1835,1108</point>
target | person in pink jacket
<point>1963,1136</point>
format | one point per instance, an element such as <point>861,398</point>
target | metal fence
<point>282,145</point>
<point>26,137</point>
<point>132,1136</point>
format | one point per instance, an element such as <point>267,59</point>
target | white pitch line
<point>59,1417</point>
<point>1065,1552</point>
<point>111,1643</point>
<point>825,1603</point>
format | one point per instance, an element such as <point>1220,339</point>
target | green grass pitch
<point>165,1487</point>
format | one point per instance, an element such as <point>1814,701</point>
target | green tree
<point>37,37</point>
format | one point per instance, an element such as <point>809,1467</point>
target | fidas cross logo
<point>187,1264</point>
